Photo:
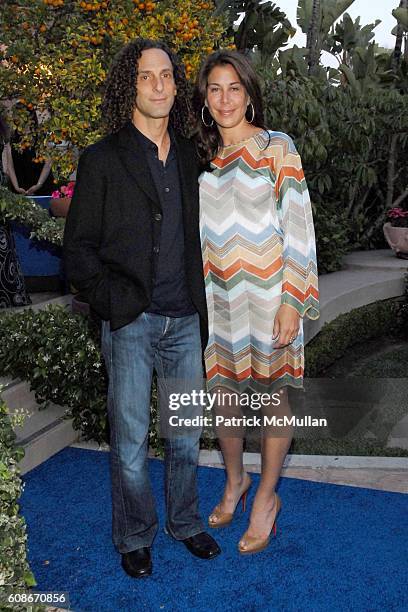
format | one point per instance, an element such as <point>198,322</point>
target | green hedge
<point>15,574</point>
<point>370,321</point>
<point>58,353</point>
<point>347,139</point>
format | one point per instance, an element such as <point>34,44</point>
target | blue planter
<point>36,258</point>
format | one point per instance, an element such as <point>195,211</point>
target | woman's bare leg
<point>237,480</point>
<point>274,450</point>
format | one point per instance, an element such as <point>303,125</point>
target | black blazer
<point>108,239</point>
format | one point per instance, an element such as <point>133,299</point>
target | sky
<point>367,10</point>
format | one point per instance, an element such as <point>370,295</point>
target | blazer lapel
<point>135,162</point>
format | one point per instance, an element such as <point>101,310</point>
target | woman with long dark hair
<point>259,261</point>
<point>12,286</point>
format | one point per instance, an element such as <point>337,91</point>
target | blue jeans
<point>172,347</point>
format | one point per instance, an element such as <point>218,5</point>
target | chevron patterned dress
<point>258,248</point>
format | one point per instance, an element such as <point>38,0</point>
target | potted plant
<point>396,231</point>
<point>61,199</point>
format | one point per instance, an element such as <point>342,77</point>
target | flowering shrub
<point>54,350</point>
<point>15,574</point>
<point>398,217</point>
<point>55,55</point>
<point>58,353</point>
<point>66,191</point>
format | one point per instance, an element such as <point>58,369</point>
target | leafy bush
<point>15,574</point>
<point>368,153</point>
<point>58,353</point>
<point>354,147</point>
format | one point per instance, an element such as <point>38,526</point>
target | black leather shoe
<point>137,563</point>
<point>202,545</point>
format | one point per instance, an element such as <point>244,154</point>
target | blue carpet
<point>337,547</point>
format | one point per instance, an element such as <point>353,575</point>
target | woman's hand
<point>33,189</point>
<point>286,325</point>
<point>20,190</point>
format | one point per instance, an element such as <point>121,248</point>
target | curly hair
<point>209,138</point>
<point>121,87</point>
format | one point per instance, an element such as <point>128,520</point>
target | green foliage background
<point>55,55</point>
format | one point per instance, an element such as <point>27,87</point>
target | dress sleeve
<point>299,284</point>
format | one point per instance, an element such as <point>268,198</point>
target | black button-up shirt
<point>170,295</point>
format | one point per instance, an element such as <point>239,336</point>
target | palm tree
<point>264,26</point>
<point>401,31</point>
<point>312,37</point>
<point>316,18</point>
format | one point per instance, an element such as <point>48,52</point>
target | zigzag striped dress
<point>258,248</point>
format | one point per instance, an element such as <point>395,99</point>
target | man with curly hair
<point>132,249</point>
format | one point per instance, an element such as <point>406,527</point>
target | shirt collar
<point>148,144</point>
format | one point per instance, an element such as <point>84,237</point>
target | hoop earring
<point>202,118</point>
<point>253,112</point>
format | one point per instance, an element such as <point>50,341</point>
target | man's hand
<point>286,325</point>
<point>20,190</point>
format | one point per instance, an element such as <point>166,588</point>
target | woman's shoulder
<point>279,141</point>
<point>278,148</point>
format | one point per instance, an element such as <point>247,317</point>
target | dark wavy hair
<point>208,138</point>
<point>120,91</point>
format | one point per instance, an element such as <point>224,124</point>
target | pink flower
<point>66,191</point>
<point>397,213</point>
<point>398,217</point>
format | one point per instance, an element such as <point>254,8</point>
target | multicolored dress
<point>259,252</point>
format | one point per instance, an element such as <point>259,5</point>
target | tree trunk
<point>391,171</point>
<point>312,37</point>
<point>400,198</point>
<point>396,56</point>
